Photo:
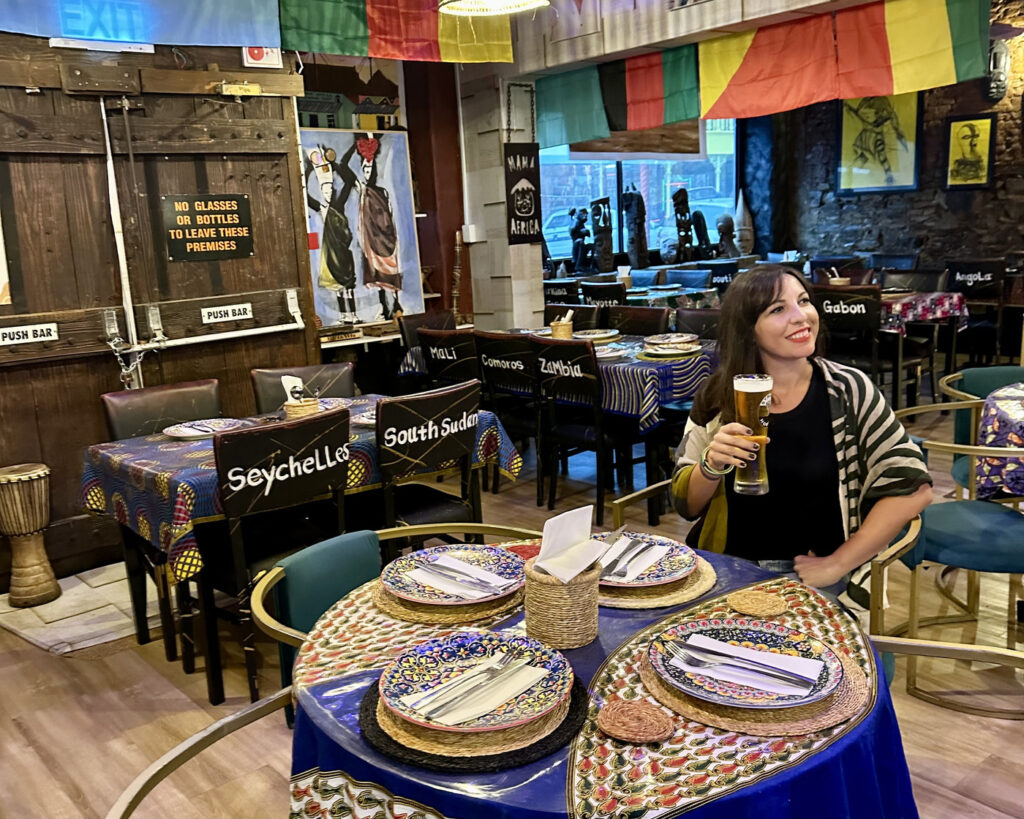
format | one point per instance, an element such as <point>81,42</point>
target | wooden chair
<point>603,293</point>
<point>450,355</point>
<point>703,323</point>
<point>410,324</point>
<point>322,380</point>
<point>723,271</point>
<point>562,291</point>
<point>848,266</point>
<point>981,282</point>
<point>922,281</point>
<point>428,434</point>
<point>895,261</point>
<point>130,414</point>
<point>584,316</point>
<point>637,321</point>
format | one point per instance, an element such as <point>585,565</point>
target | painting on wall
<point>970,149</point>
<point>878,139</point>
<point>362,226</point>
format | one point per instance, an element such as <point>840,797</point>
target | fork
<point>622,568</point>
<point>441,694</point>
<point>699,662</point>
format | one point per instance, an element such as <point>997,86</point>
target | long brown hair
<point>742,305</point>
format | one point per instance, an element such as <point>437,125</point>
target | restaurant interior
<point>388,393</point>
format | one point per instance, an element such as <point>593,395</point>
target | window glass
<point>572,183</point>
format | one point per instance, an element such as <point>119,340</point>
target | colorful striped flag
<point>896,46</point>
<point>394,30</point>
<point>650,90</point>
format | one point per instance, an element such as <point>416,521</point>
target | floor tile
<point>77,598</point>
<point>87,629</point>
<point>103,575</point>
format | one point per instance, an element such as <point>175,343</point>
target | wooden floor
<point>75,730</point>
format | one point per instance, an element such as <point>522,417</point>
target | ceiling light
<point>482,8</point>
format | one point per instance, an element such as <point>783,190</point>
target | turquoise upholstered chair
<point>973,535</point>
<point>645,278</point>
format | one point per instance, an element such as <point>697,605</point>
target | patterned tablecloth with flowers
<point>898,310</point>
<point>161,487</point>
<point>1002,424</point>
<point>854,769</point>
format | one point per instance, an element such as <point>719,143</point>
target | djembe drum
<point>24,514</point>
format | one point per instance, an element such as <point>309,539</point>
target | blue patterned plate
<point>761,635</point>
<point>334,403</point>
<point>368,419</point>
<point>672,338</point>
<point>494,559</point>
<point>677,564</point>
<point>431,663</point>
<point>204,428</point>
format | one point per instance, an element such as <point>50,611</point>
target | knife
<point>439,710</point>
<point>459,576</point>
<point>635,545</point>
<point>764,668</point>
<point>439,691</point>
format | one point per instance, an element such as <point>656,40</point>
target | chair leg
<point>214,673</point>
<point>494,480</point>
<point>912,623</point>
<point>163,597</point>
<point>247,633</point>
<point>186,615</point>
<point>553,476</point>
<point>604,470</point>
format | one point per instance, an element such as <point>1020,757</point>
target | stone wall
<point>940,224</point>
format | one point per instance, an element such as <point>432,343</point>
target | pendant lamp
<point>484,8</point>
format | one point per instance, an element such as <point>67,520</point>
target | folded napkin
<point>566,548</point>
<point>751,677</point>
<point>488,696</point>
<point>428,578</point>
<point>292,386</point>
<point>637,565</point>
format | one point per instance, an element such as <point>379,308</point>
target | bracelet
<point>708,470</point>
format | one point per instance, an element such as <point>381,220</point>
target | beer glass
<point>753,398</point>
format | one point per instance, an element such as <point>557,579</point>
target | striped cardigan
<point>876,457</point>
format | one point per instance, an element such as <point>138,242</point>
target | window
<point>568,182</point>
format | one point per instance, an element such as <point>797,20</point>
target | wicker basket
<point>301,408</point>
<point>562,615</point>
<point>561,329</point>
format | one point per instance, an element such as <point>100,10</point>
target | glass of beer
<point>753,398</point>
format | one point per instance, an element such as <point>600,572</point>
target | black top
<point>801,511</point>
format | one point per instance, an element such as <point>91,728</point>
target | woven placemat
<point>845,702</point>
<point>757,603</point>
<point>411,612</point>
<point>700,581</point>
<point>635,721</point>
<point>562,734</point>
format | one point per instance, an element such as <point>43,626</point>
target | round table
<point>854,770</point>
<point>1002,424</point>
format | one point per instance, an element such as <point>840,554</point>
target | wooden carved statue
<point>581,248</point>
<point>601,218</point>
<point>636,226</point>
<point>726,238</point>
<point>704,249</point>
<point>684,226</point>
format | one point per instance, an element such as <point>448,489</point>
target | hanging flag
<point>896,46</point>
<point>569,108</point>
<point>394,30</point>
<point>768,70</point>
<point>650,90</point>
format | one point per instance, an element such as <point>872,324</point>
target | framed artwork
<point>878,141</point>
<point>362,226</point>
<point>970,150</point>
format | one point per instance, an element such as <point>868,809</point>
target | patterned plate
<point>610,353</point>
<point>334,403</point>
<point>541,331</point>
<point>594,335</point>
<point>494,559</point>
<point>761,635</point>
<point>433,662</point>
<point>666,287</point>
<point>368,419</point>
<point>672,338</point>
<point>204,428</point>
<point>671,351</point>
<point>636,291</point>
<point>677,564</point>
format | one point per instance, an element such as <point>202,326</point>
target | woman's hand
<point>819,572</point>
<point>730,448</point>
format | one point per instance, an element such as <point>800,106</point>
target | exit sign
<point>119,21</point>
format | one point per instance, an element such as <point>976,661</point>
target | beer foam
<point>760,384</point>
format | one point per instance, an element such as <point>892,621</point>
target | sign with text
<point>226,312</point>
<point>28,334</point>
<point>207,227</point>
<point>522,192</point>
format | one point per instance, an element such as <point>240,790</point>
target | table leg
<point>136,586</point>
<point>163,594</point>
<point>186,614</point>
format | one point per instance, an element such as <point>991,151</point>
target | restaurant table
<point>1002,424</point>
<point>899,309</point>
<point>689,297</point>
<point>856,769</point>
<point>162,487</point>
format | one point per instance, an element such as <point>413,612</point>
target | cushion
<point>972,534</point>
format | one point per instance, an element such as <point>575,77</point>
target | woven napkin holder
<point>301,408</point>
<point>562,615</point>
<point>561,329</point>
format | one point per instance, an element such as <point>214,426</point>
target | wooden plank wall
<point>62,258</point>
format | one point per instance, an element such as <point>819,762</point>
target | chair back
<point>427,431</point>
<point>723,271</point>
<point>845,265</point>
<point>704,323</point>
<point>977,279</point>
<point>895,261</point>
<point>450,355</point>
<point>921,281</point>
<point>603,293</point>
<point>508,363</point>
<point>132,413</point>
<point>409,324</point>
<point>849,309</point>
<point>645,278</point>
<point>689,278</point>
<point>562,291</point>
<point>567,371</point>
<point>322,380</point>
<point>584,316</point>
<point>275,466</point>
<point>637,321</point>
<point>599,277</point>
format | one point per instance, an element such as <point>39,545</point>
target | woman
<point>844,476</point>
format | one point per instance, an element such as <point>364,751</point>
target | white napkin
<point>290,383</point>
<point>428,578</point>
<point>783,662</point>
<point>488,697</point>
<point>566,548</point>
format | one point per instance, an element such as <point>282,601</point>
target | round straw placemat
<point>635,721</point>
<point>757,603</point>
<point>700,581</point>
<point>558,736</point>
<point>411,612</point>
<point>562,615</point>
<point>845,702</point>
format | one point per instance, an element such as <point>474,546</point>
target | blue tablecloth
<point>855,770</point>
